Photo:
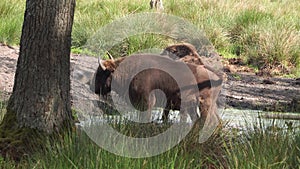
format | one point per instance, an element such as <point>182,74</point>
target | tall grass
<point>11,19</point>
<point>265,148</point>
<point>80,152</point>
<point>257,147</point>
<point>3,103</point>
<point>263,33</point>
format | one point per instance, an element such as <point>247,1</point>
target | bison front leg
<point>146,116</point>
<point>166,112</point>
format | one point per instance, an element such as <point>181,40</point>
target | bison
<point>199,86</point>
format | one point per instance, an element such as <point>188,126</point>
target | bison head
<point>104,74</point>
<point>103,77</point>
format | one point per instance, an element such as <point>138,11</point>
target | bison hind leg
<point>189,113</point>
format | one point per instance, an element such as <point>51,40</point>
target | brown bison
<point>194,83</point>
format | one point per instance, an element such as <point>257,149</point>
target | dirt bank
<point>243,89</point>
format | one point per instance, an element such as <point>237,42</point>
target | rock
<point>229,69</point>
<point>268,81</point>
<point>297,81</point>
<point>236,61</point>
<point>85,101</point>
<point>295,104</point>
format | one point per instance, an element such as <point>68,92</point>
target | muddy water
<point>250,119</point>
<point>233,118</point>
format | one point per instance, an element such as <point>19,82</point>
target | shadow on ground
<point>249,91</point>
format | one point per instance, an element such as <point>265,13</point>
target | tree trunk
<point>40,102</point>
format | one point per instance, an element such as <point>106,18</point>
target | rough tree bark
<point>40,103</point>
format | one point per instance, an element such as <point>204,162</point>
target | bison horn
<point>100,61</point>
<point>110,56</point>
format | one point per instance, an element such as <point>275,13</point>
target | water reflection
<point>234,119</point>
<point>251,119</point>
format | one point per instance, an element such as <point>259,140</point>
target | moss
<point>18,142</point>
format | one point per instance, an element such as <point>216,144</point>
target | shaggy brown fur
<point>140,88</point>
<point>181,51</point>
<point>187,53</point>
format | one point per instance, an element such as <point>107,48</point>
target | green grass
<point>2,107</point>
<point>11,19</point>
<point>265,148</point>
<point>261,148</point>
<point>257,147</point>
<point>263,33</point>
<point>80,152</point>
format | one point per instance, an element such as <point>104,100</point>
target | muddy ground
<point>243,89</point>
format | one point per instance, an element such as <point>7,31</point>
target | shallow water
<point>233,118</point>
<point>250,119</point>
